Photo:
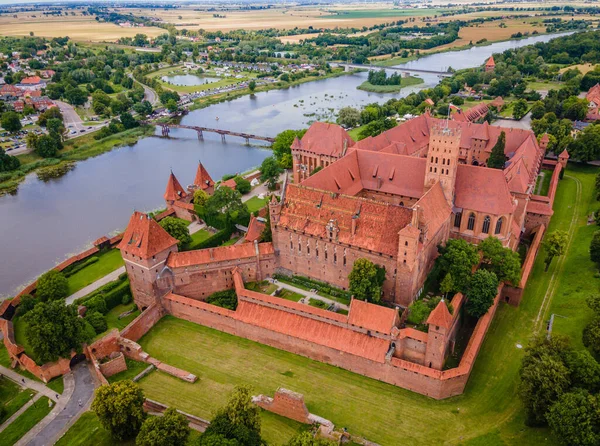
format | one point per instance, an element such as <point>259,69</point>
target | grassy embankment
<point>77,149</point>
<point>487,413</point>
<point>23,424</point>
<point>108,261</point>
<point>406,82</point>
<point>12,398</point>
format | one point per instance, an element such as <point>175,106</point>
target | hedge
<point>76,267</point>
<point>110,295</point>
<point>216,240</point>
<point>317,285</point>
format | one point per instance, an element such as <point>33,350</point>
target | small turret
<point>563,158</point>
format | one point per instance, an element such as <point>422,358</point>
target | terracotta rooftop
<point>174,190</point>
<point>324,139</point>
<point>482,189</point>
<point>230,183</point>
<point>255,229</point>
<point>372,317</point>
<point>31,80</point>
<point>219,254</point>
<point>490,62</point>
<point>144,237</point>
<point>315,212</point>
<point>434,209</point>
<point>203,180</point>
<point>440,316</point>
<point>564,154</point>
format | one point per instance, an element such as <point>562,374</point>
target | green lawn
<point>354,132</point>
<point>107,263</point>
<point>113,321</point>
<point>256,204</point>
<point>197,238</point>
<point>406,82</point>
<point>21,336</point>
<point>12,398</point>
<point>290,295</point>
<point>545,86</point>
<point>57,384</point>
<point>231,241</point>
<point>32,416</point>
<point>5,361</point>
<point>87,430</point>
<point>487,413</point>
<point>134,368</point>
<point>543,183</point>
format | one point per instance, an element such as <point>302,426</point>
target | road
<point>149,94</point>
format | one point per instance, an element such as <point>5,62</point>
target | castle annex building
<point>392,199</point>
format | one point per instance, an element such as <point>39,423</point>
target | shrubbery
<point>226,299</point>
<point>322,287</point>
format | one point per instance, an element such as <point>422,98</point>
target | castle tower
<point>563,158</point>
<point>274,211</point>
<point>145,247</point>
<point>440,322</point>
<point>544,140</point>
<point>442,159</point>
<point>203,180</point>
<point>174,191</point>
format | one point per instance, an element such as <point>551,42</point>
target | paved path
<point>94,286</point>
<point>29,383</point>
<point>308,294</point>
<point>196,226</point>
<point>149,94</point>
<point>16,415</point>
<point>79,391</point>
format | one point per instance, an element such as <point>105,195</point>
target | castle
<point>392,199</point>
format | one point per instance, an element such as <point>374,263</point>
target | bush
<point>52,286</point>
<point>115,296</point>
<point>216,240</point>
<point>226,299</point>
<point>96,320</point>
<point>418,312</point>
<point>27,303</point>
<point>97,304</point>
<point>242,185</point>
<point>126,299</point>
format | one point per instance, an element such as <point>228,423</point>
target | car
<point>82,130</point>
<point>89,128</point>
<point>73,132</point>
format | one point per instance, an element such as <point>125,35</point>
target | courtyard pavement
<point>309,294</point>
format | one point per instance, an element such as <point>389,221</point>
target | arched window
<point>471,222</point>
<point>486,224</point>
<point>499,226</point>
<point>457,219</point>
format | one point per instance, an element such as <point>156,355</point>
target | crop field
<point>77,27</point>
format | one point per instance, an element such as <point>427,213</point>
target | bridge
<point>349,67</point>
<point>166,128</point>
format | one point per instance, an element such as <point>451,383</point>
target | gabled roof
<point>324,139</point>
<point>255,229</point>
<point>372,317</point>
<point>440,316</point>
<point>203,180</point>
<point>174,190</point>
<point>490,62</point>
<point>482,189</point>
<point>564,154</point>
<point>144,237</point>
<point>219,254</point>
<point>434,208</point>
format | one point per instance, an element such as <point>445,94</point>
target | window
<point>471,222</point>
<point>457,219</point>
<point>499,226</point>
<point>486,224</point>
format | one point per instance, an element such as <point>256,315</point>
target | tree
<point>586,147</point>
<point>282,146</point>
<point>239,420</point>
<point>591,336</point>
<point>46,146</point>
<point>178,229</point>
<point>458,258</point>
<point>348,117</point>
<point>76,96</point>
<point>53,112</point>
<point>168,95</point>
<point>252,86</point>
<point>364,281</point>
<point>538,110</point>
<point>172,105</point>
<point>200,197</point>
<point>519,109</point>
<point>228,202</point>
<point>575,418</point>
<point>10,122</point>
<point>555,245</point>
<point>585,370</point>
<point>172,429</point>
<point>306,438</point>
<point>97,321</point>
<point>7,162</point>
<point>242,185</point>
<point>26,304</point>
<point>497,158</point>
<point>128,121</point>
<point>595,247</point>
<point>483,288</point>
<point>504,262</point>
<point>54,329</point>
<point>267,235</point>
<point>270,170</point>
<point>119,408</point>
<point>447,284</point>
<point>52,285</point>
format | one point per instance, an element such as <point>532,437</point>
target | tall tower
<point>442,159</point>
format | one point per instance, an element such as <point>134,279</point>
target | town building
<point>490,64</point>
<point>593,97</point>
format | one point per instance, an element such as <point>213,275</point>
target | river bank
<point>77,149</point>
<point>406,82</point>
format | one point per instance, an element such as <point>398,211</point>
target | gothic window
<point>499,226</point>
<point>325,252</point>
<point>432,159</point>
<point>335,255</point>
<point>307,247</point>
<point>457,219</point>
<point>299,245</point>
<point>291,243</point>
<point>344,256</point>
<point>444,161</point>
<point>471,222</point>
<point>406,243</point>
<point>486,224</point>
<point>317,249</point>
<point>435,170</point>
<point>436,160</point>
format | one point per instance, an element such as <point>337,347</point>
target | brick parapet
<point>114,365</point>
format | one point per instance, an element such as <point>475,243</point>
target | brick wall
<point>285,403</point>
<point>144,322</point>
<point>114,366</point>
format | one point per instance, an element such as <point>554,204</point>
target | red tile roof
<point>220,254</point>
<point>538,207</point>
<point>31,80</point>
<point>372,317</point>
<point>440,316</point>
<point>203,180</point>
<point>255,229</point>
<point>312,211</point>
<point>482,189</point>
<point>324,139</point>
<point>144,237</point>
<point>174,190</point>
<point>230,183</point>
<point>434,208</point>
<point>490,62</point>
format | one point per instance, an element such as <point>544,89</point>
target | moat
<point>46,222</point>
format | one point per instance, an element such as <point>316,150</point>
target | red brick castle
<point>392,199</point>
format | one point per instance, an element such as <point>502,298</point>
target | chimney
<point>415,217</point>
<point>379,182</point>
<point>256,248</point>
<point>210,251</point>
<point>345,146</point>
<point>354,223</point>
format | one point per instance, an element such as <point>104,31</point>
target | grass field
<point>355,132</point>
<point>113,321</point>
<point>107,262</point>
<point>406,82</point>
<point>32,416</point>
<point>57,384</point>
<point>12,398</point>
<point>134,368</point>
<point>197,238</point>
<point>583,67</point>
<point>487,413</point>
<point>290,295</point>
<point>544,86</point>
<point>255,204</point>
<point>179,70</point>
<point>543,183</point>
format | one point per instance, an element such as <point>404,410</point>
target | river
<point>44,223</point>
